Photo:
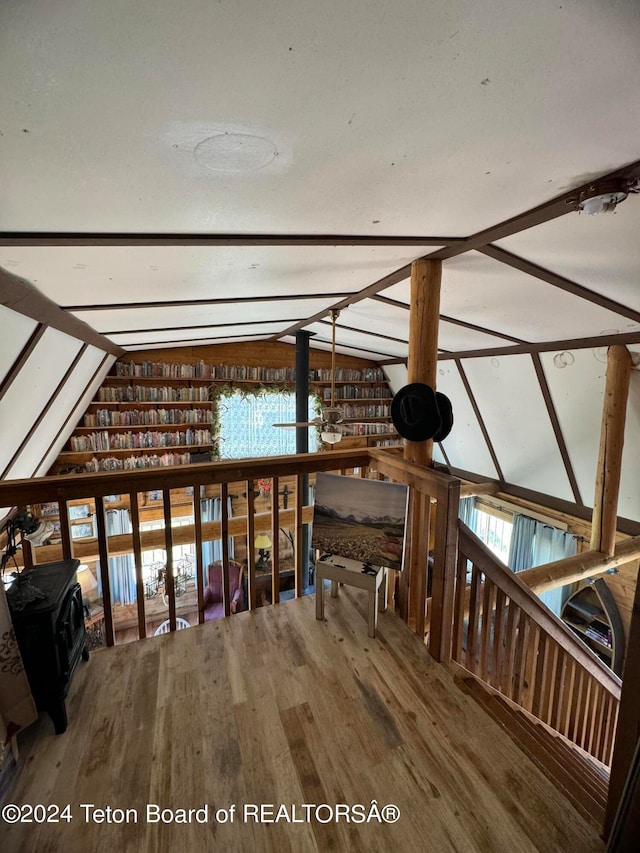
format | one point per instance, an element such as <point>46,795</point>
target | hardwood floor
<point>273,707</point>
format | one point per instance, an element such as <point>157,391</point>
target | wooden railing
<point>479,614</point>
<point>504,635</point>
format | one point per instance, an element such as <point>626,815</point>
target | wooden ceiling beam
<point>181,303</point>
<point>86,238</point>
<point>544,212</point>
<point>21,296</point>
<point>546,346</point>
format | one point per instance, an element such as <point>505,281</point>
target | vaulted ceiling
<point>205,172</point>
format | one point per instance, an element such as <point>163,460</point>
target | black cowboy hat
<point>415,413</point>
<point>419,413</point>
<point>446,414</point>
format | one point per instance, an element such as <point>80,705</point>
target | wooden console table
<point>341,570</point>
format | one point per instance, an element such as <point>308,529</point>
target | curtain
<point>211,509</point>
<point>533,544</point>
<point>468,513</point>
<point>122,572</point>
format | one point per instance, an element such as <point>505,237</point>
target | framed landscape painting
<point>362,520</point>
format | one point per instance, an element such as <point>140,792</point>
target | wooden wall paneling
<point>169,583</point>
<point>275,540</point>
<point>137,558</point>
<point>104,570</point>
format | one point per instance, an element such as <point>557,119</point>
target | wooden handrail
<point>530,604</point>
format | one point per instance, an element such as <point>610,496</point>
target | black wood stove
<point>51,635</point>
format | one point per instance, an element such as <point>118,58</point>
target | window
<point>246,425</point>
<point>495,532</point>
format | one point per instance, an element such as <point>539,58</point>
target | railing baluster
<point>558,687</point>
<point>520,659</point>
<point>197,523</point>
<point>485,628</point>
<point>570,680</point>
<point>169,584</point>
<point>137,558</point>
<point>497,658</point>
<point>65,530</point>
<point>104,571</point>
<point>538,680</point>
<point>472,629</point>
<point>224,533</point>
<point>458,623</point>
<point>275,540</point>
<point>584,729</point>
<point>299,556</point>
<point>251,549</point>
<point>506,675</point>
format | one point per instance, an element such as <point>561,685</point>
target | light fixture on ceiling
<point>603,197</point>
<point>331,436</point>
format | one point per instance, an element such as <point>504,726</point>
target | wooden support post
<point>605,507</point>
<point>628,730</point>
<point>422,364</point>
<point>137,558</point>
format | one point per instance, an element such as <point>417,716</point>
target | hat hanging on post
<point>414,412</point>
<point>446,414</point>
<point>419,413</point>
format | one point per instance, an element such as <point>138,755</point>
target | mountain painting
<point>360,519</point>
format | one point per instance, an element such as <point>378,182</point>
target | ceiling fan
<point>331,420</point>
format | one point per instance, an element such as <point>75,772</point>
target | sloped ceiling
<point>203,172</point>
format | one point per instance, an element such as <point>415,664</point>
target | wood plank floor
<point>273,707</point>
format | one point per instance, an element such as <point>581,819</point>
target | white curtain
<point>122,572</point>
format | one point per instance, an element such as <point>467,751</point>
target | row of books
<point>370,429</point>
<point>200,370</point>
<point>602,635</point>
<point>139,393</point>
<point>111,463</point>
<point>131,440</point>
<point>365,411</point>
<point>148,417</point>
<point>353,392</point>
<point>345,374</point>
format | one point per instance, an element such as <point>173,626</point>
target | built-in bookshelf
<point>592,614</point>
<point>150,414</point>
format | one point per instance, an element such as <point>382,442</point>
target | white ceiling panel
<point>396,375</point>
<point>601,252</point>
<point>344,350</point>
<point>231,340</point>
<point>16,330</point>
<point>465,445</point>
<point>371,314</point>
<point>76,415</point>
<point>576,382</point>
<point>512,407</point>
<point>466,126</point>
<point>49,426</point>
<point>72,275</point>
<point>482,291</point>
<point>198,333</point>
<point>455,338</point>
<point>125,319</point>
<point>25,398</point>
<point>348,338</point>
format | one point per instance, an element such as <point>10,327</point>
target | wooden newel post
<point>605,503</point>
<point>421,367</point>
